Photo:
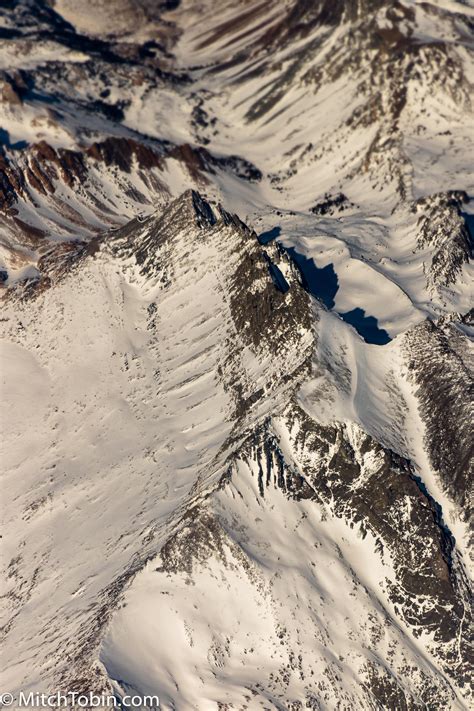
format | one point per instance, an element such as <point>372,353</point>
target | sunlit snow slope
<point>236,270</point>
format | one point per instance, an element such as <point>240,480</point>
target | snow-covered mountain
<point>237,358</point>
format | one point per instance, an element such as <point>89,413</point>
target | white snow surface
<point>111,432</point>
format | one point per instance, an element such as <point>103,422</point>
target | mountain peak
<point>204,212</point>
<point>237,454</point>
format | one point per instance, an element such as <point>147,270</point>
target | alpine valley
<point>236,245</point>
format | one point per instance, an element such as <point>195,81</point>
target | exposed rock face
<point>442,368</point>
<point>11,88</point>
<point>443,229</point>
<point>368,485</point>
<point>283,486</point>
<point>378,46</point>
<point>45,171</point>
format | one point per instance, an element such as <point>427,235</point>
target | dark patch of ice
<point>277,276</point>
<point>366,326</point>
<point>269,235</point>
<point>5,141</point>
<point>321,282</point>
<point>469,222</point>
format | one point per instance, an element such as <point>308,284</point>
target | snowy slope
<point>142,354</point>
<point>263,596</point>
<point>237,471</point>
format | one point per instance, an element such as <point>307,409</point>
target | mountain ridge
<point>219,486</point>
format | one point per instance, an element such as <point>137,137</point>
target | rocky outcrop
<point>441,369</point>
<point>419,587</point>
<point>12,88</point>
<point>443,230</point>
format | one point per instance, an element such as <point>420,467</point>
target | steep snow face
<point>262,597</point>
<point>134,374</point>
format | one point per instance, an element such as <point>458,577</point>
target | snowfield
<point>236,471</point>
